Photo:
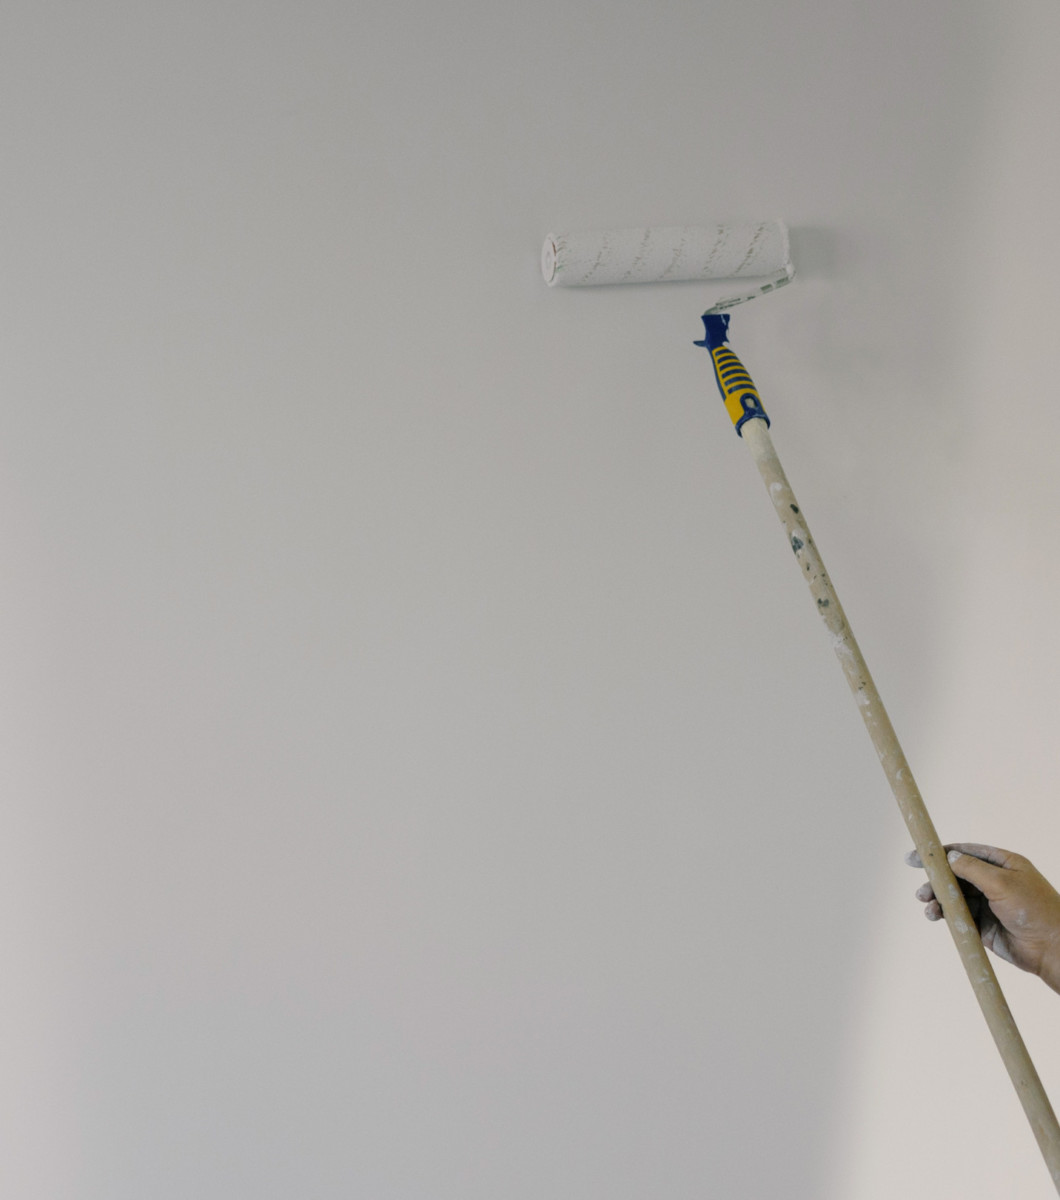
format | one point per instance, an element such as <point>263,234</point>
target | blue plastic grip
<point>715,330</point>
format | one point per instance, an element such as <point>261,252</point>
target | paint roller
<point>757,258</point>
<point>665,255</point>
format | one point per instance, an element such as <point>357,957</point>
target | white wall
<point>424,773</point>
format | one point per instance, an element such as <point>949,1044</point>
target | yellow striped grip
<point>741,398</point>
<point>737,387</point>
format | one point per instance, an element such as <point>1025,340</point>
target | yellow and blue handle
<point>737,388</point>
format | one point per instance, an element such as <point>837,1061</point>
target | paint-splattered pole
<point>745,408</point>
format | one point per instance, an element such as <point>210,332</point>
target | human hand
<point>1015,908</point>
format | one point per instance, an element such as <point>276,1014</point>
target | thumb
<point>989,879</point>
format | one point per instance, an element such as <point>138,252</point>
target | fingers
<point>968,860</point>
<point>989,854</point>
<point>991,880</point>
<point>926,894</point>
<point>986,874</point>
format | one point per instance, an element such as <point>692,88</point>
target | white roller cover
<point>660,254</point>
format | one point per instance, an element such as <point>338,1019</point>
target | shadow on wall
<point>817,251</point>
<point>991,762</point>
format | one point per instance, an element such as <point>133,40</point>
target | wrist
<point>1049,971</point>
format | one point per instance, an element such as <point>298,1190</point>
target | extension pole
<point>745,408</point>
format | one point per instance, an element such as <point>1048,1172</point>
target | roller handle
<point>742,401</point>
<point>735,389</point>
